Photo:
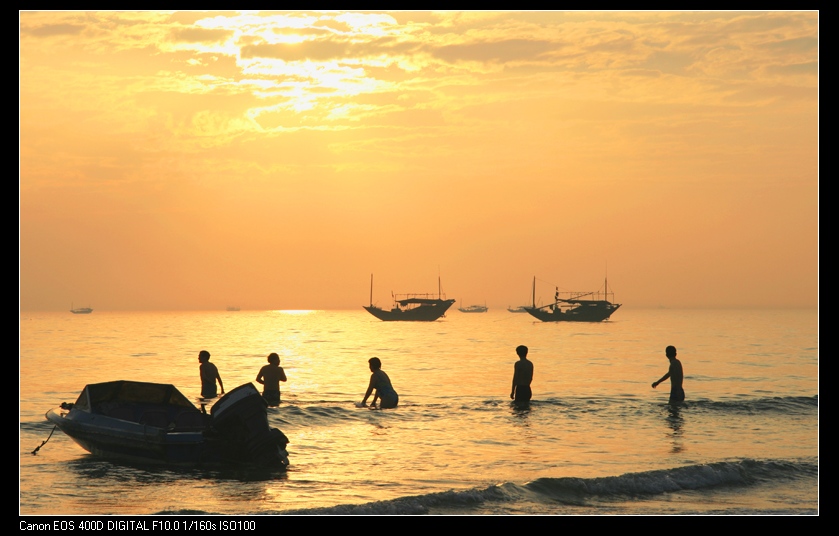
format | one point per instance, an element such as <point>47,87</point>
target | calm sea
<point>596,440</point>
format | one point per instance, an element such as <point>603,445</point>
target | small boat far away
<point>519,309</point>
<point>575,306</point>
<point>80,310</point>
<point>473,309</point>
<point>411,307</point>
<point>233,308</point>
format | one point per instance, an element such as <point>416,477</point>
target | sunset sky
<point>275,160</point>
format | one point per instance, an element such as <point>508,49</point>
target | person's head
<point>375,363</point>
<point>521,351</point>
<point>203,356</point>
<point>273,358</point>
<point>670,352</point>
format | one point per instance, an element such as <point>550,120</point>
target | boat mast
<point>371,290</point>
<point>606,283</point>
<point>534,292</point>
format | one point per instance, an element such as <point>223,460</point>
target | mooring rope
<point>34,452</point>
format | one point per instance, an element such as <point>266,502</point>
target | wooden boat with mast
<point>575,306</point>
<point>411,307</point>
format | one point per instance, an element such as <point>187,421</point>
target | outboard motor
<point>241,416</point>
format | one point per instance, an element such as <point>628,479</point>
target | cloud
<point>200,35</point>
<point>794,46</point>
<point>809,68</point>
<point>502,51</point>
<point>308,50</point>
<point>328,49</point>
<point>50,30</point>
<point>669,62</point>
<point>642,72</point>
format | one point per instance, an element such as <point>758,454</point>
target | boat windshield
<point>132,392</point>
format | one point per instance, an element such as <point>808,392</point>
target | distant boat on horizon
<point>232,308</point>
<point>519,309</point>
<point>411,307</point>
<point>80,310</point>
<point>473,309</point>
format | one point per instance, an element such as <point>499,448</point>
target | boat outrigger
<point>575,306</point>
<point>411,307</point>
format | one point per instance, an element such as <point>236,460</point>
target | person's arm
<point>370,390</point>
<point>218,377</point>
<point>282,375</point>
<point>260,378</point>
<point>515,377</point>
<point>655,384</point>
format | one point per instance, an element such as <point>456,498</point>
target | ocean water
<point>597,438</point>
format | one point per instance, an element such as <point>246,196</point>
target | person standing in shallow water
<point>522,376</point>
<point>380,382</point>
<point>676,375</point>
<point>270,377</point>
<point>209,375</point>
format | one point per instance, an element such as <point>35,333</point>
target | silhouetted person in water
<point>270,377</point>
<point>676,375</point>
<point>522,376</point>
<point>209,375</point>
<point>381,383</point>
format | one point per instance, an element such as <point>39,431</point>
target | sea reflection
<point>676,422</point>
<point>593,414</point>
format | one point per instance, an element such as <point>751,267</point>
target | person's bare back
<point>270,377</point>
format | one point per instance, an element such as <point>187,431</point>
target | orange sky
<point>275,160</point>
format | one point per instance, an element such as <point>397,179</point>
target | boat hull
<point>427,312</point>
<point>597,312</point>
<point>132,442</point>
